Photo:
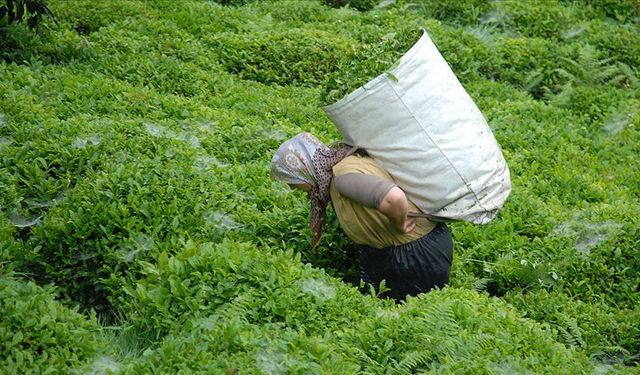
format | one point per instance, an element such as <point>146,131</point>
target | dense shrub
<point>620,10</point>
<point>232,345</point>
<point>234,2</point>
<point>201,280</point>
<point>362,5</point>
<point>118,215</point>
<point>40,335</point>
<point>135,142</point>
<point>620,42</point>
<point>592,104</point>
<point>469,57</point>
<point>232,294</point>
<point>609,334</point>
<point>468,12</point>
<point>290,57</point>
<point>86,17</point>
<point>299,12</point>
<point>459,331</point>
<point>604,262</point>
<point>540,20</point>
<point>367,62</point>
<point>529,63</point>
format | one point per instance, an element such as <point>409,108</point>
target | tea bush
<point>201,280</point>
<point>226,292</point>
<point>529,63</point>
<point>467,12</point>
<point>294,56</point>
<point>618,41</point>
<point>362,5</point>
<point>542,20</point>
<point>368,62</point>
<point>86,17</point>
<point>464,332</point>
<point>298,13</point>
<point>218,345</point>
<point>40,335</point>
<point>603,331</point>
<point>620,10</point>
<point>135,141</point>
<point>469,57</point>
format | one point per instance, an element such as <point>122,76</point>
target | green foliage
<point>290,57</point>
<point>86,16</point>
<point>16,11</point>
<point>595,327</point>
<point>467,12</point>
<point>216,345</point>
<point>367,62</point>
<point>231,296</point>
<point>361,5</point>
<point>241,280</point>
<point>299,12</point>
<point>454,331</point>
<point>620,42</point>
<point>135,141</point>
<point>233,2</point>
<point>540,20</point>
<point>469,56</point>
<point>620,10</point>
<point>608,272</point>
<point>528,63</point>
<point>40,335</point>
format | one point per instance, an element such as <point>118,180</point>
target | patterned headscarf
<point>304,159</point>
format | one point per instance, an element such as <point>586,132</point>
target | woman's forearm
<point>395,206</point>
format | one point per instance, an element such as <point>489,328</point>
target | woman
<point>412,254</point>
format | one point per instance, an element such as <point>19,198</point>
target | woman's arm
<point>376,192</point>
<point>395,206</point>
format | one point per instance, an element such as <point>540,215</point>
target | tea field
<point>140,231</point>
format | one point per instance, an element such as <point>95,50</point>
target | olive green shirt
<point>366,225</point>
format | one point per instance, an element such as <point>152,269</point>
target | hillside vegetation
<point>140,232</point>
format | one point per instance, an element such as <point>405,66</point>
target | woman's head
<point>293,162</point>
<point>305,162</point>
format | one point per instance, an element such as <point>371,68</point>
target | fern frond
<point>564,97</point>
<point>569,330</point>
<point>605,74</point>
<point>239,307</point>
<point>445,321</point>
<point>579,70</point>
<point>629,74</point>
<point>534,79</point>
<point>617,80</point>
<point>481,342</point>
<point>612,351</point>
<point>563,73</point>
<point>480,285</point>
<point>369,364</point>
<point>413,361</point>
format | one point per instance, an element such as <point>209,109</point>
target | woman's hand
<point>395,206</point>
<point>409,224</point>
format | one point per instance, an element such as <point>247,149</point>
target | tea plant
<point>39,334</point>
<point>135,141</point>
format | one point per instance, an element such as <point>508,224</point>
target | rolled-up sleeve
<point>364,189</point>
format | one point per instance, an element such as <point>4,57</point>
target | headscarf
<point>304,159</point>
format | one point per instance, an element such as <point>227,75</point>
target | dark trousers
<point>412,268</point>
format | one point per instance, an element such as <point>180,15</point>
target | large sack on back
<point>420,124</point>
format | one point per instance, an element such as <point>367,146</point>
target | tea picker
<point>416,153</point>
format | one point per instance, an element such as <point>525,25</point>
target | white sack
<point>426,131</point>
